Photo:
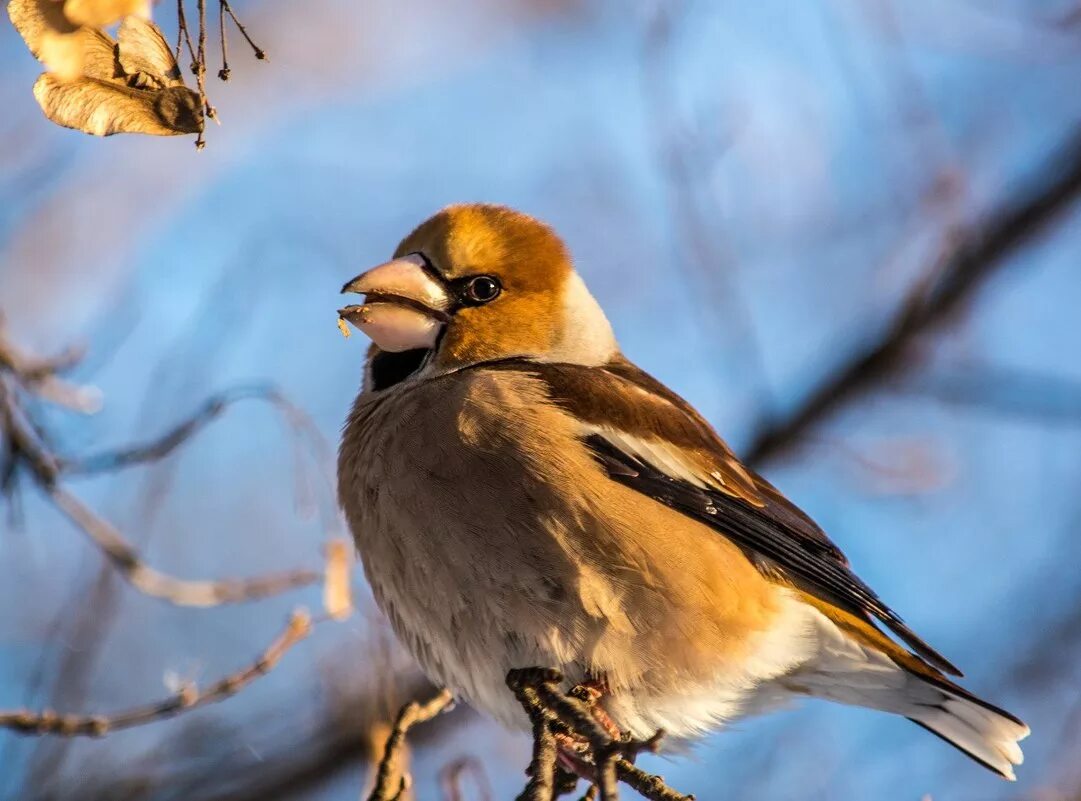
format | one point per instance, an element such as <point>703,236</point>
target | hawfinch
<point>522,495</point>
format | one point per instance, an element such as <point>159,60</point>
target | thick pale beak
<point>404,307</point>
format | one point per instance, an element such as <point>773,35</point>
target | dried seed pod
<point>100,86</point>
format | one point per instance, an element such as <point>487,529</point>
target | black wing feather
<point>764,532</point>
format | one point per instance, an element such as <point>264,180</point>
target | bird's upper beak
<point>404,305</point>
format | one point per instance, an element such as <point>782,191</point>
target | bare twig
<point>685,156</point>
<point>183,36</point>
<point>200,73</point>
<point>450,779</point>
<point>259,52</point>
<point>33,369</point>
<point>223,73</point>
<point>26,450</point>
<point>283,756</point>
<point>198,51</point>
<point>164,445</point>
<point>337,579</point>
<point>26,445</point>
<point>177,591</point>
<point>973,259</point>
<point>1009,391</point>
<point>38,376</point>
<point>189,697</point>
<point>391,780</point>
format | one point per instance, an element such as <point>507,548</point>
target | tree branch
<point>180,592</point>
<point>189,697</point>
<point>160,447</point>
<point>450,779</point>
<point>985,248</point>
<point>26,446</point>
<point>1015,392</point>
<point>571,726</point>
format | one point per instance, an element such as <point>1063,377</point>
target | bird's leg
<point>574,736</point>
<point>590,693</point>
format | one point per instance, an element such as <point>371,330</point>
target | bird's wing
<point>648,438</point>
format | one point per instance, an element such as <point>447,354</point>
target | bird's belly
<point>465,633</point>
<point>467,628</point>
<point>484,562</point>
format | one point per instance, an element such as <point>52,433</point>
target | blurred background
<point>773,201</point>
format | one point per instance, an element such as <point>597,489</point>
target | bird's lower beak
<point>404,306</point>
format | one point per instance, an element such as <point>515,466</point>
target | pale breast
<point>492,540</point>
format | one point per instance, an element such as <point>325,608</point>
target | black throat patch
<point>388,369</point>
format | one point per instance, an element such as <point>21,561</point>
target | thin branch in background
<point>978,253</point>
<point>392,780</point>
<point>188,698</point>
<point>259,52</point>
<point>160,447</point>
<point>25,445</point>
<point>278,755</point>
<point>450,779</point>
<point>183,37</point>
<point>1001,390</point>
<point>24,441</point>
<point>200,75</point>
<point>198,51</point>
<point>685,158</point>
<point>39,376</point>
<point>180,592</point>
<point>337,579</point>
<point>224,72</point>
<point>32,369</point>
<point>86,626</point>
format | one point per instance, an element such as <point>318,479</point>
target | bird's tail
<point>983,731</point>
<point>856,664</point>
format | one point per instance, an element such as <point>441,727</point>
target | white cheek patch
<point>586,336</point>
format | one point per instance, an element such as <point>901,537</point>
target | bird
<point>521,494</point>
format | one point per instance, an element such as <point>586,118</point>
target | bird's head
<point>477,283</point>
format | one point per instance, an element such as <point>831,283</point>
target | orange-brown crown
<point>528,259</point>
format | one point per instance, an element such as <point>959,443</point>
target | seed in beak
<point>393,327</point>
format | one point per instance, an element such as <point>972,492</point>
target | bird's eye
<point>483,289</point>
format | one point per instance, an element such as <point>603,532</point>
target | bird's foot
<point>590,693</point>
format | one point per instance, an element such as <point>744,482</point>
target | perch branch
<point>188,698</point>
<point>542,766</point>
<point>570,726</point>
